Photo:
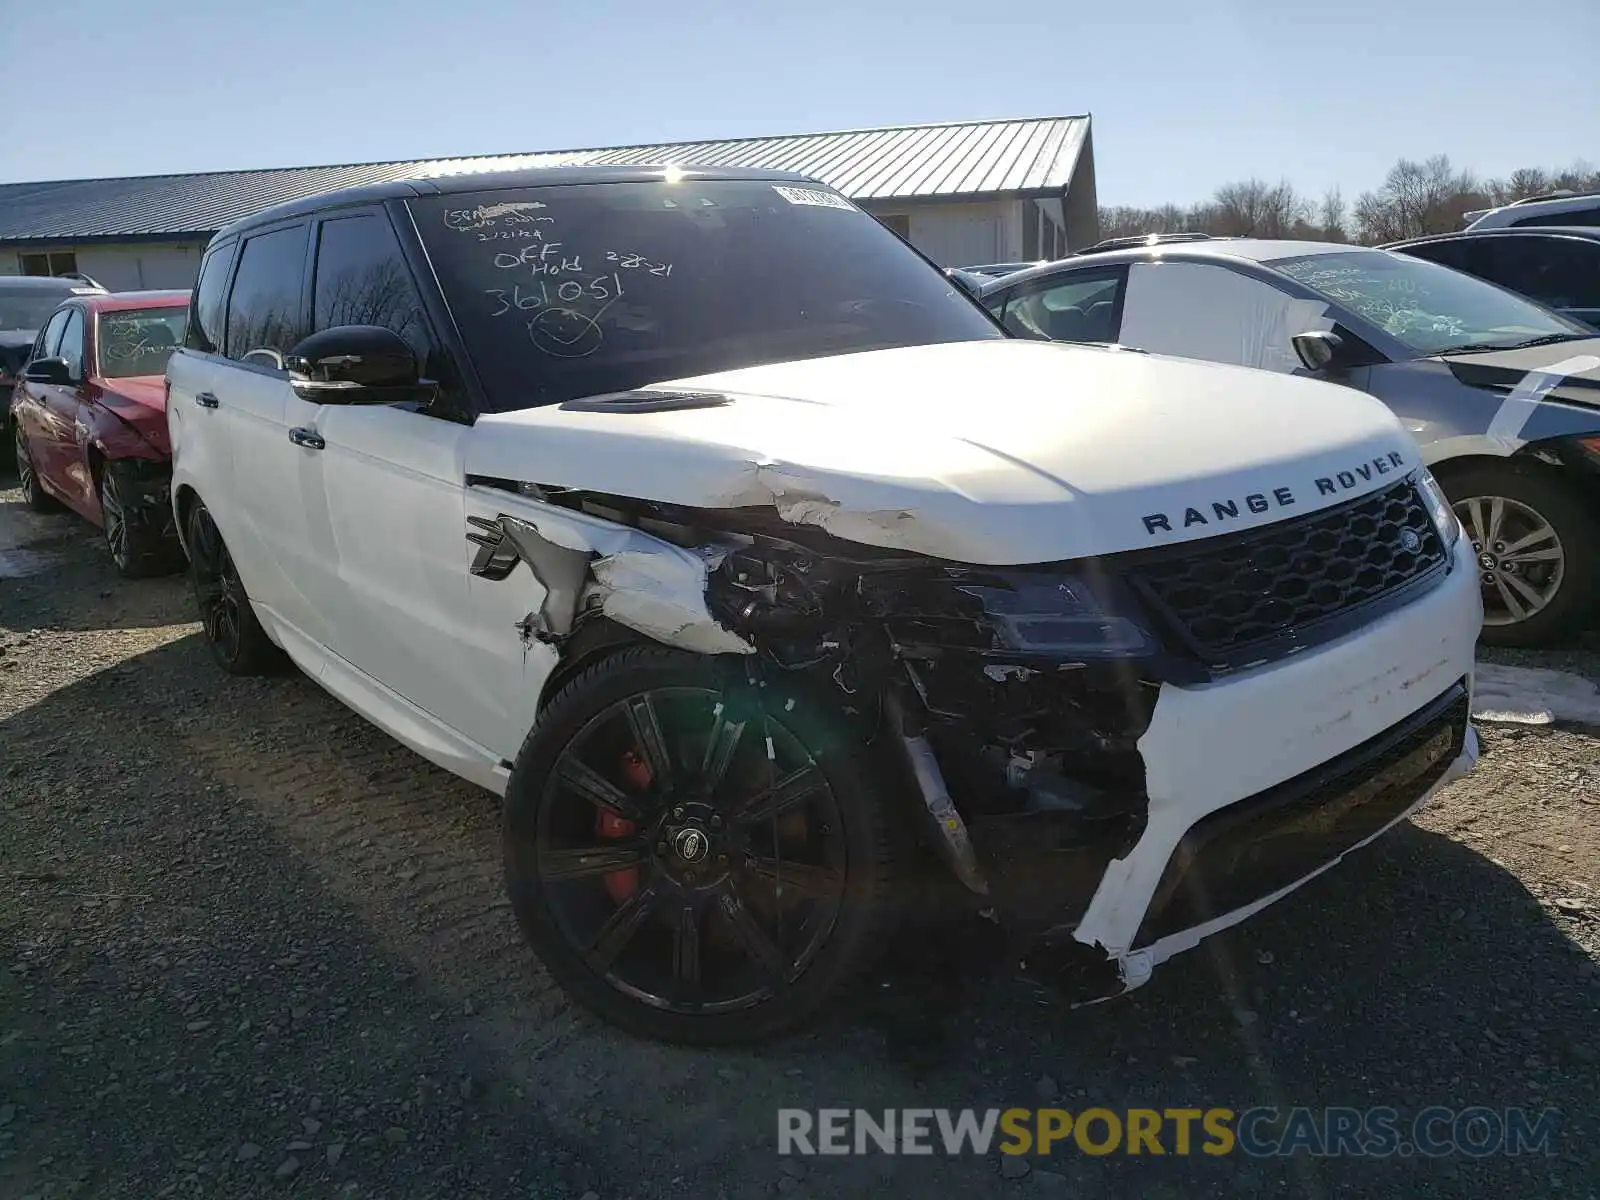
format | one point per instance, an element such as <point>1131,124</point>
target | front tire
<point>140,547</point>
<point>1538,551</point>
<point>229,624</point>
<point>692,865</point>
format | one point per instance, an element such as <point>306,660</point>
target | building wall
<point>956,235</point>
<point>125,268</point>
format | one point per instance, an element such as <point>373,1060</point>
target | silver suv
<point>1558,209</point>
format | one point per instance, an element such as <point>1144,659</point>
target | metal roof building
<point>974,191</point>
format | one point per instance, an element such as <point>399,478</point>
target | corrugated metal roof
<point>967,158</point>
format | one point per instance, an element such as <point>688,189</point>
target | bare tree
<point>1256,209</point>
<point>1579,177</point>
<point>1524,182</point>
<point>1418,198</point>
<point>1334,216</point>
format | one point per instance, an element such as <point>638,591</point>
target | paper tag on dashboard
<point>800,195</point>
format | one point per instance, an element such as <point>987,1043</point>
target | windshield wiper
<point>1546,339</point>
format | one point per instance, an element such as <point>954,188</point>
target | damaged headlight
<point>1444,517</point>
<point>1064,616</point>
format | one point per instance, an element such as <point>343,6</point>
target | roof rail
<point>1558,194</point>
<point>81,278</point>
<point>1143,239</point>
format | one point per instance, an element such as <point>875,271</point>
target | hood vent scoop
<point>646,402</point>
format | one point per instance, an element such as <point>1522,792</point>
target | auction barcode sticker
<point>799,195</point>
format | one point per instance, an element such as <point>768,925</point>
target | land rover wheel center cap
<point>691,845</point>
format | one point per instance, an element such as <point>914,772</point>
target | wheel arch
<point>595,639</point>
<point>184,498</point>
<point>1529,460</point>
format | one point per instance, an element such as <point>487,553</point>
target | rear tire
<point>228,622</point>
<point>714,913</point>
<point>27,478</point>
<point>1538,600</point>
<point>140,543</point>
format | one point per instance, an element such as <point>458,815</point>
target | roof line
<point>395,162</point>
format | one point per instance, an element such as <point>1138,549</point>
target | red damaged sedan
<point>89,418</point>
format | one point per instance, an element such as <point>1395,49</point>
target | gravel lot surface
<point>249,946</point>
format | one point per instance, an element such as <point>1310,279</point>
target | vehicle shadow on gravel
<point>81,591</point>
<point>1417,973</point>
<point>239,917</point>
<point>185,1001</point>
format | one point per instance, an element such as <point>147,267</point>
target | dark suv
<point>25,302</point>
<point>1557,266</point>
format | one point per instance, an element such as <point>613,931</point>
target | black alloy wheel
<point>27,478</point>
<point>693,865</point>
<point>137,537</point>
<point>229,624</point>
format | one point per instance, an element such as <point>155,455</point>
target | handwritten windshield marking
<point>604,288</point>
<point>486,216</point>
<point>566,332</point>
<point>630,262</point>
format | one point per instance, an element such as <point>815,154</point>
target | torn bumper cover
<point>1262,781</point>
<point>150,505</point>
<point>583,562</point>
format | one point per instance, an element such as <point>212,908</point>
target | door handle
<point>205,399</point>
<point>309,438</point>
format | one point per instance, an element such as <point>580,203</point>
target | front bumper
<point>1263,780</point>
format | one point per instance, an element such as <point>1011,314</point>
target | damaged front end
<point>1116,756</point>
<point>1010,700</point>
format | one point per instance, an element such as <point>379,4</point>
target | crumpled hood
<point>140,401</point>
<point>985,452</point>
<point>1505,369</point>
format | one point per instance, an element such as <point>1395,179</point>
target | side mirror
<point>1320,350</point>
<point>48,370</point>
<point>355,364</point>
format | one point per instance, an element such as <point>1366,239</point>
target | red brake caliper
<point>622,884</point>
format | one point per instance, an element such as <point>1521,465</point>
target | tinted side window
<point>1557,272</point>
<point>50,336</point>
<point>1589,217</point>
<point>362,279</point>
<point>1081,307</point>
<point>72,343</point>
<point>1446,254</point>
<point>205,314</point>
<point>264,308</point>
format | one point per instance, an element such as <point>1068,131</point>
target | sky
<point>1320,95</point>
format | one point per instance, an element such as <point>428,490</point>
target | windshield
<point>28,308</point>
<point>1428,307</point>
<point>562,292</point>
<point>138,341</point>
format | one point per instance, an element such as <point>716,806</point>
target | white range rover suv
<point>698,516</point>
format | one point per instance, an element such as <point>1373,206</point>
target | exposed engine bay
<point>1009,700</point>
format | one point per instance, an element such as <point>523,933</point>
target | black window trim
<point>460,400</point>
<point>83,347</point>
<point>38,342</point>
<point>305,222</point>
<point>1102,270</point>
<point>472,397</point>
<point>230,248</point>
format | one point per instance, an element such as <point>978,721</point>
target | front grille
<point>1229,598</point>
<point>1266,842</point>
